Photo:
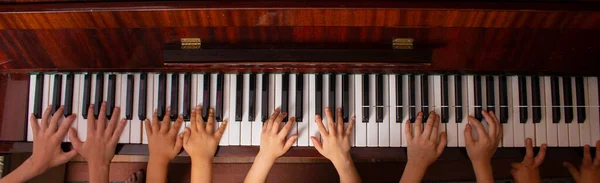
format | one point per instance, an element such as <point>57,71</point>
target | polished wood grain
<point>13,107</point>
<point>317,13</point>
<point>464,50</point>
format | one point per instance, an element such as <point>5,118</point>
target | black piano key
<point>39,90</point>
<point>69,95</point>
<point>579,92</point>
<point>412,114</point>
<point>220,89</point>
<point>458,100</point>
<point>345,98</point>
<point>99,98</point>
<point>129,98</point>
<point>478,97</point>
<point>490,93</point>
<point>56,96</point>
<point>142,96</point>
<point>332,86</point>
<point>425,97</point>
<point>399,106</point>
<point>87,90</point>
<point>379,98</point>
<point>206,96</point>
<point>299,96</point>
<point>174,97</point>
<point>444,116</point>
<point>285,88</point>
<point>252,98</point>
<point>365,98</point>
<point>503,87</point>
<point>239,92</point>
<point>265,97</point>
<point>187,98</point>
<point>535,99</point>
<point>319,94</point>
<point>162,96</point>
<point>568,99</point>
<point>522,99</point>
<point>555,89</point>
<point>110,103</point>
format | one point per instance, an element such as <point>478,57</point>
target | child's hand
<point>99,147</point>
<point>200,141</point>
<point>589,171</point>
<point>47,137</point>
<point>273,141</point>
<point>163,142</point>
<point>335,145</point>
<point>423,146</point>
<point>528,171</point>
<point>481,151</point>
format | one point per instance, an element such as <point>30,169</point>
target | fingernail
<point>353,117</point>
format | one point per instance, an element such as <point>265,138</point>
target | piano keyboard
<point>559,111</point>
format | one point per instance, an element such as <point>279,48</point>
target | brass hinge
<point>402,43</point>
<point>191,43</point>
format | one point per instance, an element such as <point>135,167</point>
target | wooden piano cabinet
<point>13,107</point>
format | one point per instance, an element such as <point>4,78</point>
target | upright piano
<point>534,63</point>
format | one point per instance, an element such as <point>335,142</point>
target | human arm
<point>163,144</point>
<point>589,171</point>
<point>47,153</point>
<point>423,147</point>
<point>528,171</point>
<point>200,141</point>
<point>273,144</point>
<point>99,147</point>
<point>335,145</point>
<point>480,151</point>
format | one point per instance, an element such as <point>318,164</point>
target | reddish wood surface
<point>13,106</point>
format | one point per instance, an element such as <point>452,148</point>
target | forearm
<point>483,172</point>
<point>346,170</point>
<point>22,174</point>
<point>413,173</point>
<point>201,170</point>
<point>259,170</point>
<point>157,170</point>
<point>98,172</point>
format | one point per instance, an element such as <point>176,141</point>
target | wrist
<point>341,159</point>
<point>158,161</point>
<point>265,157</point>
<point>481,163</point>
<point>416,165</point>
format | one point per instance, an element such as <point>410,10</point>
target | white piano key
<point>278,90</point>
<point>105,90</point>
<point>82,129</point>
<point>352,106</point>
<point>594,114</point>
<point>406,109</point>
<point>361,128</point>
<point>435,96</point>
<point>246,126</point>
<point>292,104</point>
<point>518,127</point>
<point>168,93</point>
<point>303,127</point>
<point>200,90</point>
<point>417,91</point>
<point>496,107</point>
<point>32,89</point>
<point>452,126</point>
<point>227,137</point>
<point>563,128</point>
<point>551,128</point>
<point>484,102</point>
<point>180,107</point>
<point>540,128</point>
<point>384,127</point>
<point>271,102</point>
<point>78,108</point>
<point>234,126</point>
<point>193,96</point>
<point>152,86</point>
<point>121,98</point>
<point>135,135</point>
<point>372,127</point>
<point>573,126</point>
<point>584,128</point>
<point>471,96</point>
<point>50,92</point>
<point>508,127</point>
<point>257,124</point>
<point>395,126</point>
<point>63,96</point>
<point>313,129</point>
<point>325,101</point>
<point>529,126</point>
<point>465,109</point>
